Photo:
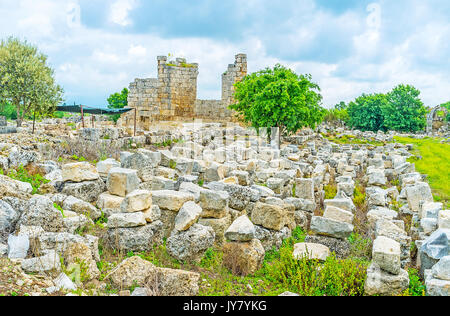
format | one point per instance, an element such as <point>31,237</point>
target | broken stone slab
<point>126,220</point>
<point>136,201</point>
<point>340,247</point>
<point>8,217</point>
<point>171,200</point>
<point>187,216</point>
<point>219,225</point>
<point>386,254</point>
<point>311,251</point>
<point>269,216</point>
<point>18,246</point>
<point>103,167</point>
<point>416,193</point>
<point>343,203</point>
<point>378,213</point>
<point>136,239</point>
<point>243,258</point>
<point>430,210</point>
<point>191,188</point>
<point>79,206</point>
<point>242,229</point>
<point>338,214</point>
<point>304,189</point>
<point>79,172</point>
<point>88,191</point>
<point>428,225</point>
<point>214,204</point>
<point>62,282</point>
<point>328,227</point>
<point>380,282</point>
<point>433,249</point>
<point>190,245</point>
<point>444,219</point>
<point>152,214</point>
<point>132,271</point>
<point>41,212</point>
<point>437,287</point>
<point>171,282</point>
<point>441,270</point>
<point>46,263</point>
<point>109,201</point>
<point>122,181</point>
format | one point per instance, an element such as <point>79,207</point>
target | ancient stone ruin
<point>436,120</point>
<point>173,95</point>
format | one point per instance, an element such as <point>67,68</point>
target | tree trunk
<point>19,119</point>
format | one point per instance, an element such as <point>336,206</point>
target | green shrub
<point>307,277</point>
<point>416,286</point>
<point>21,174</point>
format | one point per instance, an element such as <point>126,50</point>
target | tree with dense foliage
<point>447,106</point>
<point>365,112</point>
<point>404,111</point>
<point>118,101</point>
<point>26,81</point>
<point>338,115</point>
<point>279,98</point>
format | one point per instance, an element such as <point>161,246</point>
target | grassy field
<point>435,163</point>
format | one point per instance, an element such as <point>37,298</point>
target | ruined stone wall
<point>177,90</point>
<point>234,73</point>
<point>212,110</point>
<point>173,95</point>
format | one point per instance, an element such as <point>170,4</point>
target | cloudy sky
<point>97,47</point>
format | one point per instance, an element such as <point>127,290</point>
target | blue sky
<point>350,47</point>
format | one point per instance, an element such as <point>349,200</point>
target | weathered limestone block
<point>419,192</point>
<point>242,229</point>
<point>137,239</point>
<point>88,191</point>
<point>386,254</point>
<point>187,216</point>
<point>219,225</point>
<point>191,244</point>
<point>109,201</point>
<point>103,167</point>
<point>304,189</point>
<point>269,216</point>
<point>328,227</point>
<point>243,258</point>
<point>122,181</point>
<point>137,201</point>
<point>132,271</point>
<point>338,214</point>
<point>126,220</point>
<point>379,282</point>
<point>311,251</point>
<point>214,204</point>
<point>78,172</point>
<point>171,200</point>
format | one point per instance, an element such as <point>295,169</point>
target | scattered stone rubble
<point>225,188</point>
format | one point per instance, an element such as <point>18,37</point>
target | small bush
<point>22,174</point>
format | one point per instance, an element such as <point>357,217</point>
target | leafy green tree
<point>26,81</point>
<point>365,112</point>
<point>404,111</point>
<point>118,101</point>
<point>337,115</point>
<point>447,106</point>
<point>280,98</point>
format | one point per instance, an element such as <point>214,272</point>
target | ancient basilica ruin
<point>172,96</point>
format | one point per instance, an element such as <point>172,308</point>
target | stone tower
<point>234,73</point>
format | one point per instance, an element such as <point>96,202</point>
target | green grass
<point>351,140</point>
<point>435,163</point>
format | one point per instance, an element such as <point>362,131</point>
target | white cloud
<point>119,12</point>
